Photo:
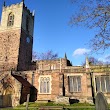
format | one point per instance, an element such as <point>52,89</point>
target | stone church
<point>45,80</point>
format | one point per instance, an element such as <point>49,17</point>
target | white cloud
<point>104,58</point>
<point>81,51</point>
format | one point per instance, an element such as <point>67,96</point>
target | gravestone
<point>101,102</point>
<point>62,100</point>
<point>28,96</point>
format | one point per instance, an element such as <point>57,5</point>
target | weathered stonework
<point>62,85</point>
<point>10,90</point>
<point>15,51</point>
<point>16,41</point>
<point>45,80</point>
<point>62,100</point>
<point>9,51</point>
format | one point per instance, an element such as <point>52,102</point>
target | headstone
<point>101,102</point>
<point>62,100</point>
<point>28,96</point>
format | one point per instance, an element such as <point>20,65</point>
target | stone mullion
<point>105,83</point>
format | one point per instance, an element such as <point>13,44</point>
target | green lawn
<point>50,109</point>
<point>35,106</point>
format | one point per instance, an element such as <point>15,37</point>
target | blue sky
<point>53,32</point>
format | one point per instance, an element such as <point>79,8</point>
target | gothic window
<point>75,83</point>
<point>10,19</point>
<point>102,83</point>
<point>45,84</point>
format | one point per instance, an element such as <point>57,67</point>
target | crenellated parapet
<point>29,12</point>
<point>17,5</point>
<point>10,7</point>
<point>100,68</point>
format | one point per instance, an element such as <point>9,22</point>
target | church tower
<point>16,37</point>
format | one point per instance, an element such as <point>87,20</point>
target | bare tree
<point>95,61</point>
<point>94,14</point>
<point>48,55</point>
<point>108,59</point>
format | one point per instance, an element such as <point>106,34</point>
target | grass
<point>81,109</point>
<point>51,109</point>
<point>35,106</point>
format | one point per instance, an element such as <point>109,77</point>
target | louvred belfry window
<point>10,19</point>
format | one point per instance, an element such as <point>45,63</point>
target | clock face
<point>28,39</point>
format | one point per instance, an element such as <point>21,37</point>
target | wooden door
<point>7,100</point>
<point>1,101</point>
<point>7,97</point>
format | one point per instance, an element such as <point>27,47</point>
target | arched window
<point>45,84</point>
<point>10,19</point>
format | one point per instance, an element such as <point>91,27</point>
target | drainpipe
<point>92,86</point>
<point>63,86</point>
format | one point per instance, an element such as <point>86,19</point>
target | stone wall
<point>52,64</point>
<point>10,89</point>
<point>15,51</point>
<point>25,52</point>
<point>9,51</point>
<point>85,92</point>
<point>55,89</point>
<point>27,13</point>
<point>16,9</point>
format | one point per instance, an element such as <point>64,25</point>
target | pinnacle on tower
<point>4,4</point>
<point>23,1</point>
<point>65,56</point>
<point>33,13</point>
<point>87,63</point>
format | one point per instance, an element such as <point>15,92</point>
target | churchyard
<point>100,104</point>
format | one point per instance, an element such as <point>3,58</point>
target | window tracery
<point>45,85</point>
